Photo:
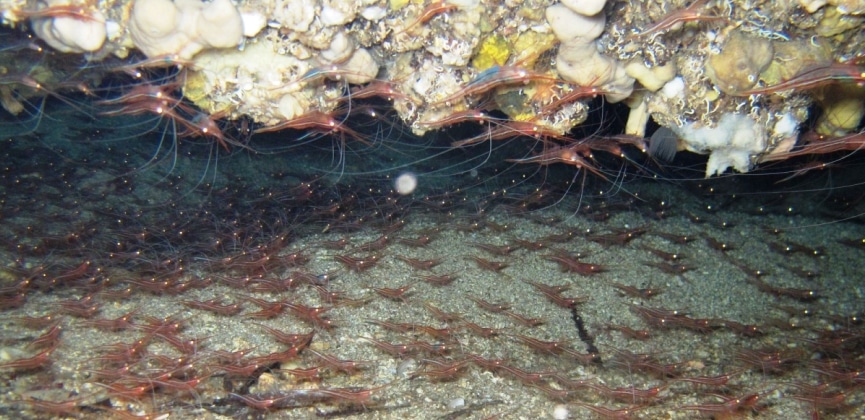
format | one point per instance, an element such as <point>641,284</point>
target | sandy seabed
<point>781,352</point>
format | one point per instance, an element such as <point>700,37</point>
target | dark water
<point>115,233</point>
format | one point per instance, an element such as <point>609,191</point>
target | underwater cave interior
<point>435,233</point>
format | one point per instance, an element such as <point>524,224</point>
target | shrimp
<point>69,11</point>
<point>692,13</point>
<point>813,77</point>
<point>315,120</point>
<point>568,155</point>
<point>493,77</point>
<point>431,11</point>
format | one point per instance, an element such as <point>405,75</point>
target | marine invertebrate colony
<point>244,58</point>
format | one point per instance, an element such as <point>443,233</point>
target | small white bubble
<point>405,183</point>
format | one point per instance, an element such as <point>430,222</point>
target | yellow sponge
<point>494,51</point>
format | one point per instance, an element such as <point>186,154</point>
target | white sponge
<point>583,65</point>
<point>153,25</point>
<point>585,7</point>
<point>730,144</point>
<point>219,25</point>
<point>72,34</point>
<point>570,27</point>
<point>185,27</point>
<point>652,78</point>
<point>579,61</point>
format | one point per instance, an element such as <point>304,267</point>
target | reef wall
<point>723,75</point>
